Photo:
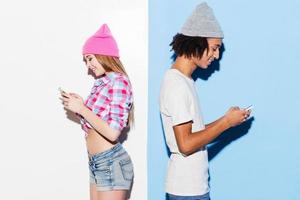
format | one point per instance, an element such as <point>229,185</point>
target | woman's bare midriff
<point>96,143</point>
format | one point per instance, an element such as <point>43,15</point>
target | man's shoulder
<point>174,84</point>
<point>173,78</point>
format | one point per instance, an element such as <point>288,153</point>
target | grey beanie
<point>202,23</point>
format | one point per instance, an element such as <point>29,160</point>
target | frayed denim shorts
<point>111,169</point>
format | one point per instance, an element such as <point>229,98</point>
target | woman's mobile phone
<point>62,92</point>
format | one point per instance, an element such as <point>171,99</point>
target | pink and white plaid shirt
<point>111,100</point>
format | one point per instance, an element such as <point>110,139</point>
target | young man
<point>197,45</point>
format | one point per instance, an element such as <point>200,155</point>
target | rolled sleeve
<point>121,100</point>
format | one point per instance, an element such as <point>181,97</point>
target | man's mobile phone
<point>249,108</point>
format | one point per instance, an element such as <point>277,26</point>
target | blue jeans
<point>111,169</point>
<point>198,197</point>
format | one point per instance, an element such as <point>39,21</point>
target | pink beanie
<point>101,43</point>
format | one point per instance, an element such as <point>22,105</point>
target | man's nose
<point>216,55</point>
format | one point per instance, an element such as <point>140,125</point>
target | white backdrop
<point>43,154</point>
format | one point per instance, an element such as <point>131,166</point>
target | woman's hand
<point>235,116</point>
<point>72,102</point>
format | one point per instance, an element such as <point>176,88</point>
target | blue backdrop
<point>259,65</point>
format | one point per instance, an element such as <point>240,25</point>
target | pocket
<point>127,169</point>
<point>103,172</point>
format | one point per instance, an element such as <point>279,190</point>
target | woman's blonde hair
<point>110,63</point>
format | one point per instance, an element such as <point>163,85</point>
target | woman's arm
<point>74,103</point>
<point>99,125</point>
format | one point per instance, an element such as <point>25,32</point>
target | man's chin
<point>203,66</point>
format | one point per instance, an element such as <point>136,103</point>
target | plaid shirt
<point>111,100</point>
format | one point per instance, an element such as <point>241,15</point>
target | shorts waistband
<point>107,153</point>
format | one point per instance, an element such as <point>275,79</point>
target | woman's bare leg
<point>93,192</point>
<point>112,195</point>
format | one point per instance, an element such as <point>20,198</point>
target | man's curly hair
<point>189,46</point>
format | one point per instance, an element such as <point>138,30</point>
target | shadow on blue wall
<point>227,137</point>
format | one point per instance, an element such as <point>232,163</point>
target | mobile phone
<point>249,108</point>
<point>62,92</point>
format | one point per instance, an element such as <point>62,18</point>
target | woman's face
<point>93,64</point>
<point>209,54</point>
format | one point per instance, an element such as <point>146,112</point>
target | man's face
<point>209,54</point>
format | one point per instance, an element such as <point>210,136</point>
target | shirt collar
<point>105,79</point>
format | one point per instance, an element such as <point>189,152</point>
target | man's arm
<point>189,142</point>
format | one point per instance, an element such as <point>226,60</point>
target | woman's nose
<point>88,65</point>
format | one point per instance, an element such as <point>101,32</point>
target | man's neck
<point>184,65</point>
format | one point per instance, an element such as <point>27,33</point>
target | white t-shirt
<point>186,175</point>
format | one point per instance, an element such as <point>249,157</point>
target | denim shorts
<point>111,169</point>
<point>198,197</point>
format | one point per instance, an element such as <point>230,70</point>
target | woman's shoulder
<point>119,79</point>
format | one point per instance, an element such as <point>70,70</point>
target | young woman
<point>197,45</point>
<point>104,114</point>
